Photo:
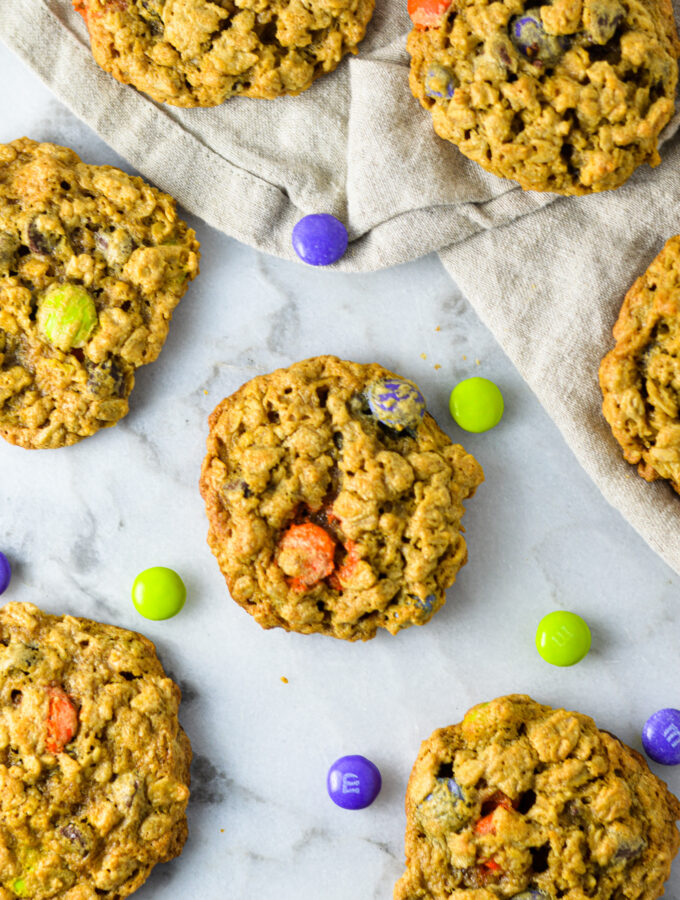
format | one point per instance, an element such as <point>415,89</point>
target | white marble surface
<point>78,524</point>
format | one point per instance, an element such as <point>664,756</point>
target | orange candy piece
<point>489,871</point>
<point>485,825</point>
<point>80,7</point>
<point>62,720</point>
<point>427,13</point>
<point>313,549</point>
<point>491,865</point>
<point>344,572</point>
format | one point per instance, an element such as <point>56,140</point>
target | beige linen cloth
<point>546,274</point>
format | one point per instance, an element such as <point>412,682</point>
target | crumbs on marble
<point>438,328</point>
<point>205,392</point>
<point>423,355</point>
<point>464,358</point>
<point>284,679</point>
<point>437,367</point>
<point>478,362</point>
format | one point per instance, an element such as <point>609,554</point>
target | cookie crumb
<point>438,328</point>
<point>437,367</point>
<point>423,355</point>
<point>284,679</point>
<point>478,362</point>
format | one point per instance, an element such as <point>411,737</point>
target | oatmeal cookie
<point>92,264</point>
<point>568,97</point>
<point>521,800</point>
<point>94,767</point>
<point>200,53</point>
<point>334,500</point>
<point>640,377</point>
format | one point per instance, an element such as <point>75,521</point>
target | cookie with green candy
<point>67,316</point>
<point>93,262</point>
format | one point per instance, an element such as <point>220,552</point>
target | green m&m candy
<point>158,593</point>
<point>66,316</point>
<point>562,638</point>
<point>476,404</point>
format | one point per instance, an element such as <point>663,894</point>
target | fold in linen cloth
<point>546,274</point>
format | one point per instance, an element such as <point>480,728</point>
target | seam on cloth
<point>131,107</point>
<point>557,333</point>
<point>559,202</point>
<point>83,51</point>
<point>246,206</point>
<point>40,18</point>
<point>613,481</point>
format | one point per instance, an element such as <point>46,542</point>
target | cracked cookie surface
<point>322,518</point>
<point>94,766</point>
<point>198,53</point>
<point>522,800</point>
<point>640,377</point>
<point>92,264</point>
<point>567,97</point>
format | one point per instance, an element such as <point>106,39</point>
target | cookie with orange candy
<point>521,801</point>
<point>568,97</point>
<point>94,765</point>
<point>335,500</point>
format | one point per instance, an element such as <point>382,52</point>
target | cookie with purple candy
<point>335,500</point>
<point>520,801</point>
<point>569,96</point>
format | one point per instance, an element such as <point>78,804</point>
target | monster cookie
<point>198,53</point>
<point>334,500</point>
<point>94,767</point>
<point>92,264</point>
<point>640,377</point>
<point>521,800</point>
<point>569,96</point>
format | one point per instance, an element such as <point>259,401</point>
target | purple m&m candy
<point>440,82</point>
<point>396,403</point>
<point>424,605</point>
<point>661,737</point>
<point>532,40</point>
<point>319,239</point>
<point>353,782</point>
<point>5,573</point>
